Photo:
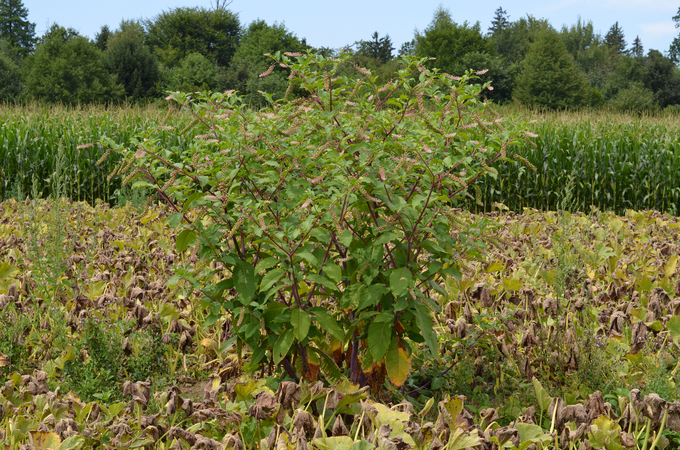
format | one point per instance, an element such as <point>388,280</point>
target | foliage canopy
<point>328,218</point>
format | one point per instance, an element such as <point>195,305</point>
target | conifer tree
<point>637,49</point>
<point>674,51</point>
<point>500,21</point>
<point>378,48</point>
<point>615,39</point>
<point>15,27</point>
<point>550,77</point>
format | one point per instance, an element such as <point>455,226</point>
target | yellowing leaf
<point>7,270</point>
<point>670,266</point>
<point>398,363</point>
<point>616,225</point>
<point>43,440</point>
<point>590,272</point>
<point>512,284</point>
<point>494,267</point>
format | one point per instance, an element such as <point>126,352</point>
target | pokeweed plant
<point>328,218</point>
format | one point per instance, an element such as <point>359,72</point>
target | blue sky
<point>337,23</point>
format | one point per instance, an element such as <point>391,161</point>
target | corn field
<point>609,161</point>
<point>32,136</point>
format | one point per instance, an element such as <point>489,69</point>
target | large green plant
<point>328,219</point>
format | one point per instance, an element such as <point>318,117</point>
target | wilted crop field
<point>563,327</point>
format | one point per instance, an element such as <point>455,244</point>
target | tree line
<point>195,48</point>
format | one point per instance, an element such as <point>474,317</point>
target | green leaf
<point>531,433</point>
<point>321,235</point>
<point>424,322</point>
<point>270,278</point>
<point>301,320</point>
<point>380,335</point>
<point>175,219</point>
<point>398,363</point>
<point>192,198</point>
<point>460,440</point>
<point>184,240</point>
<point>328,323</point>
<point>400,279</point>
<point>72,442</point>
<point>385,238</point>
<point>323,281</point>
<point>245,281</point>
<point>346,238</point>
<point>282,345</point>
<point>673,326</point>
<point>334,443</point>
<point>203,180</point>
<point>311,259</point>
<point>333,271</point>
<point>266,264</point>
<point>330,369</point>
<point>542,396</point>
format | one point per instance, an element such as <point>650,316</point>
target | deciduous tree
<point>250,61</point>
<point>175,34</point>
<point>67,68</point>
<point>131,61</point>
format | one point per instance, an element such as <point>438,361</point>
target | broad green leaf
<point>175,219</point>
<point>400,279</point>
<point>282,345</point>
<point>333,271</point>
<point>530,433</point>
<point>328,323</point>
<point>645,284</point>
<point>192,198</point>
<point>398,363</point>
<point>673,326</point>
<point>321,235</point>
<point>542,397</point>
<point>370,296</point>
<point>328,366</point>
<point>245,281</point>
<point>385,238</point>
<point>460,440</point>
<point>334,443</point>
<point>424,322</point>
<point>380,335</point>
<point>270,278</point>
<point>301,320</point>
<point>73,442</point>
<point>184,240</point>
<point>323,281</point>
<point>311,259</point>
<point>202,180</point>
<point>266,264</point>
<point>345,238</point>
